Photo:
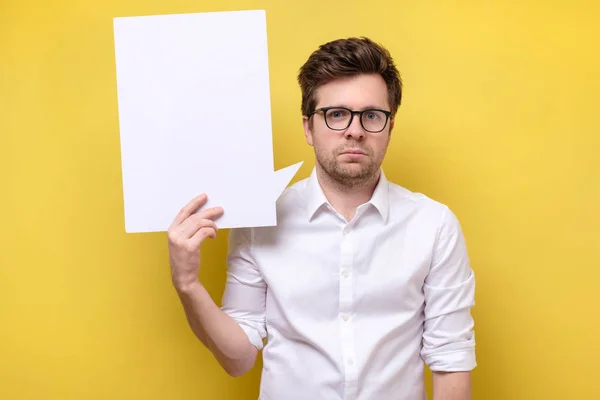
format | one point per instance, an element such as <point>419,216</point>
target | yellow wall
<point>500,121</point>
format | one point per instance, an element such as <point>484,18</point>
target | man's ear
<point>306,123</point>
<point>392,123</point>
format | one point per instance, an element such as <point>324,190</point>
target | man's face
<point>353,155</point>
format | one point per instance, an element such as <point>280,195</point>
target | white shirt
<point>352,310</point>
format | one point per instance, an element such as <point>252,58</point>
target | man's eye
<point>337,113</point>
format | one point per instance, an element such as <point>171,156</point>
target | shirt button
<point>346,274</point>
<point>350,362</point>
<point>345,317</point>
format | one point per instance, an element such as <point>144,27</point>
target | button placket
<point>346,307</point>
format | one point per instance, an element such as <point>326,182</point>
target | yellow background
<point>500,121</point>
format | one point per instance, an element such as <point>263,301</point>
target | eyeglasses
<point>340,118</point>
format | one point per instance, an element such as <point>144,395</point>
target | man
<point>361,282</point>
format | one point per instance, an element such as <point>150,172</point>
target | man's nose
<point>355,130</point>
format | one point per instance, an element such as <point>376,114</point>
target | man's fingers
<point>210,213</point>
<point>199,220</point>
<point>192,225</point>
<point>189,209</point>
<point>200,235</point>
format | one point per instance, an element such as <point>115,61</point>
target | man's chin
<point>348,172</point>
<point>352,171</point>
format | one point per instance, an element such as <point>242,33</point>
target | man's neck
<point>345,199</point>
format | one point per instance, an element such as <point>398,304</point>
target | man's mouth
<point>354,152</point>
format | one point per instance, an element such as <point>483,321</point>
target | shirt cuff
<point>253,335</point>
<point>453,361</point>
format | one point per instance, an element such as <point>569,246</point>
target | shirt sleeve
<point>245,290</point>
<point>449,290</point>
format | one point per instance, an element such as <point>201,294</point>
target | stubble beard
<point>344,175</point>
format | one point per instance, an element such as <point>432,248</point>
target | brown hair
<point>346,58</point>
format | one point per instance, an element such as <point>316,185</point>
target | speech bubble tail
<point>282,178</point>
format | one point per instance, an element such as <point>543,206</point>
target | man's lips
<point>354,152</point>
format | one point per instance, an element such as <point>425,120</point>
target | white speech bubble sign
<point>195,117</point>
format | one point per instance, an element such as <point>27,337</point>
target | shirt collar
<point>315,198</point>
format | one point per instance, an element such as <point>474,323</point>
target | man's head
<point>346,75</point>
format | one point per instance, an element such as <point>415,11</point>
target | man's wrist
<point>186,286</point>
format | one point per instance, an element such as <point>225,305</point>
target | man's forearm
<point>217,330</point>
<point>451,386</point>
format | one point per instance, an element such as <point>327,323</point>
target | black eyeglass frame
<point>352,112</point>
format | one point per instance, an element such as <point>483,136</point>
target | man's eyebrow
<point>367,107</point>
